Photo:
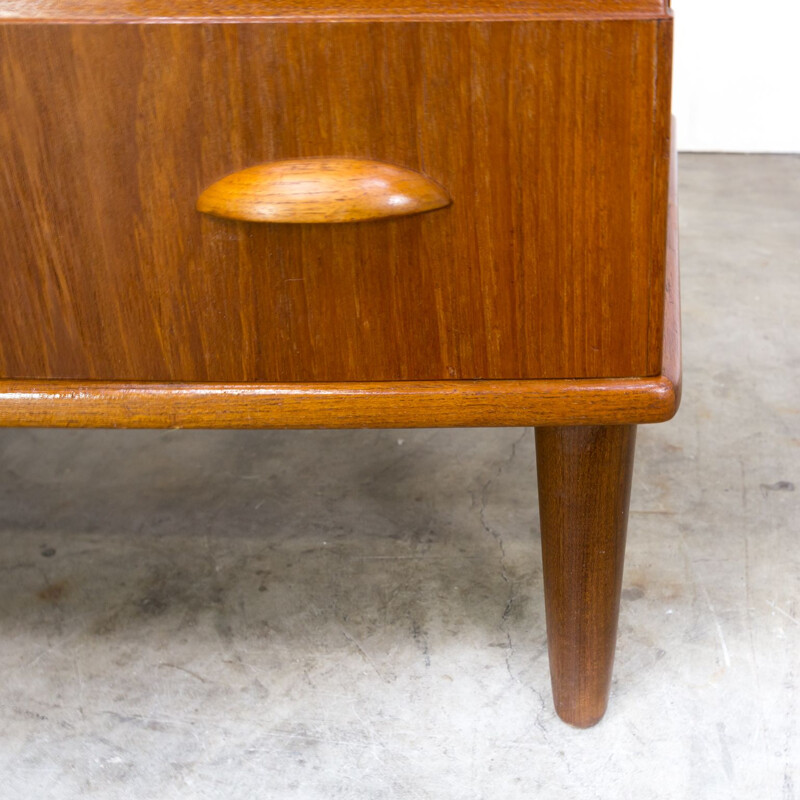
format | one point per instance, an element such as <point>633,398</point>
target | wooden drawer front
<point>551,138</point>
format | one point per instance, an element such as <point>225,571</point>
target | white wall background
<point>737,75</point>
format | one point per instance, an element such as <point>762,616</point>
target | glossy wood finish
<point>549,263</point>
<point>295,10</point>
<point>584,476</point>
<point>321,190</point>
<point>401,404</point>
<point>672,367</point>
<point>358,404</point>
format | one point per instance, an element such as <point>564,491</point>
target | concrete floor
<point>360,614</point>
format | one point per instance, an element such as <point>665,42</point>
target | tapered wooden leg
<point>584,489</point>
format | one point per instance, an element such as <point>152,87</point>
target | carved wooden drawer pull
<point>321,190</point>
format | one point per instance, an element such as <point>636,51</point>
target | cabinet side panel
<point>662,155</point>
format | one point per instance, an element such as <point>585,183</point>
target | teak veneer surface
<point>357,405</point>
<point>404,404</point>
<point>550,137</point>
<point>71,10</point>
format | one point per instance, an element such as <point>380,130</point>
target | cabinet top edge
<point>76,11</point>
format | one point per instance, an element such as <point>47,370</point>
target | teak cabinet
<point>321,214</point>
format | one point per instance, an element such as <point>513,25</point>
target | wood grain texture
<point>662,120</point>
<point>365,405</point>
<point>584,476</point>
<point>293,10</point>
<point>321,190</point>
<point>403,404</point>
<point>672,366</point>
<point>548,264</point>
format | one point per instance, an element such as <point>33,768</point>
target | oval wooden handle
<point>321,190</point>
